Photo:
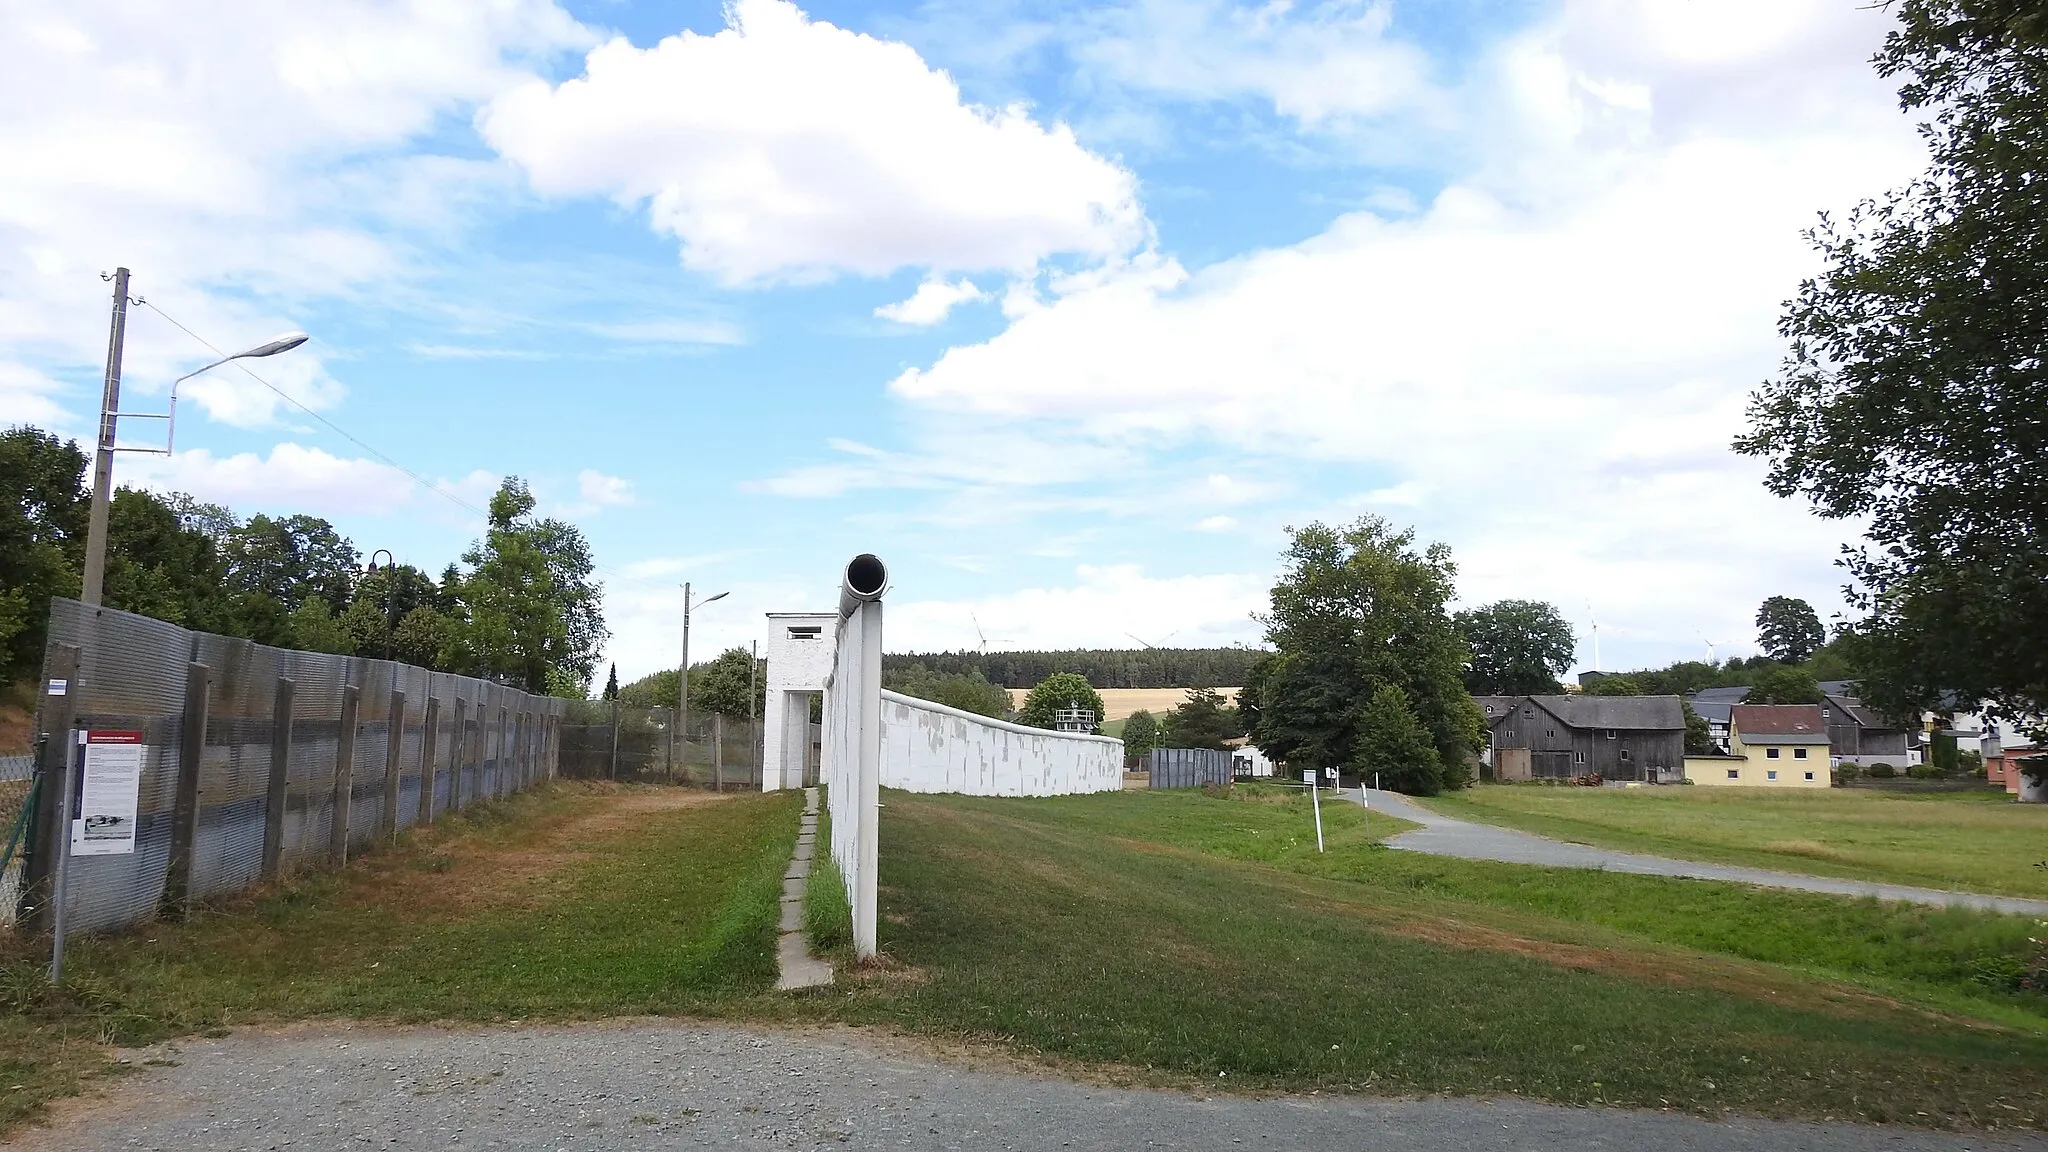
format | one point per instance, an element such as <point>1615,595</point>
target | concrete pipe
<point>865,580</point>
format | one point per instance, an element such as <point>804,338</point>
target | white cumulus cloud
<point>933,301</point>
<point>784,147</point>
<point>291,478</point>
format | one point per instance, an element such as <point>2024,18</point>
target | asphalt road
<point>661,1085</point>
<point>1447,836</point>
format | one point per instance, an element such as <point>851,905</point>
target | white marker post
<point>1309,778</point>
<point>1365,802</point>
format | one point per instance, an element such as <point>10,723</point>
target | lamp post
<point>390,591</point>
<point>94,582</point>
<point>683,678</point>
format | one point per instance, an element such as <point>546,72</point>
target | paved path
<point>662,1085</point>
<point>1447,836</point>
<point>793,959</point>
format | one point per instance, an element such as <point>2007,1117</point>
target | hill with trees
<point>1102,667</point>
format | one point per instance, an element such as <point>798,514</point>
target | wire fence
<point>1188,768</point>
<point>256,761</point>
<point>604,741</point>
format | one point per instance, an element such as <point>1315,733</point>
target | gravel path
<point>1447,836</point>
<point>660,1084</point>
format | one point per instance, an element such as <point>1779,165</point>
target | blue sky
<point>1064,310</point>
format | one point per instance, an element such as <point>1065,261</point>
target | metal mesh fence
<point>603,742</point>
<point>1188,767</point>
<point>298,758</point>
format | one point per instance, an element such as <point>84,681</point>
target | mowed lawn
<point>1969,841</point>
<point>1204,940</point>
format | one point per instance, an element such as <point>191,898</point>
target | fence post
<point>458,737</point>
<point>394,764</point>
<point>185,807</point>
<point>429,734</point>
<point>57,713</point>
<point>504,749</point>
<point>280,776</point>
<point>344,777</point>
<point>718,750</point>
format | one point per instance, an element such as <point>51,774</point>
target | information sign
<point>109,791</point>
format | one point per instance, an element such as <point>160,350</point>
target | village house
<point>1770,746</point>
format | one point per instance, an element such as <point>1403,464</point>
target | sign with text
<point>109,792</point>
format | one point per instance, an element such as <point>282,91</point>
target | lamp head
<point>284,343</point>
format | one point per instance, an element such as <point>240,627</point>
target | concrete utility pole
<point>683,679</point>
<point>103,459</point>
<point>683,686</point>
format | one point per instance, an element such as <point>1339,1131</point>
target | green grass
<point>828,918</point>
<point>1969,841</point>
<point>523,909</point>
<point>1190,936</point>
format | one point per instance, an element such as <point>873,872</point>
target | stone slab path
<point>1442,835</point>
<point>793,957</point>
<point>657,1084</point>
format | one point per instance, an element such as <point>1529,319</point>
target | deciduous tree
<point>1783,685</point>
<point>1912,393</point>
<point>1519,647</point>
<point>1788,630</point>
<point>1057,693</point>
<point>1355,610</point>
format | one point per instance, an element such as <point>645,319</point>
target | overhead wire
<point>331,425</point>
<point>343,432</point>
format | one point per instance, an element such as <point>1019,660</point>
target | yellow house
<point>1770,746</point>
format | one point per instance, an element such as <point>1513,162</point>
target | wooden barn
<point>1629,738</point>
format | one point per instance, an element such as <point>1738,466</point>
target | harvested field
<point>1119,703</point>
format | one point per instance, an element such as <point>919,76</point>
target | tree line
<point>520,607</point>
<point>1102,667</point>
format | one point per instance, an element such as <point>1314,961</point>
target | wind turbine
<point>1162,639</point>
<point>979,634</point>
<point>1711,658</point>
<point>1595,622</point>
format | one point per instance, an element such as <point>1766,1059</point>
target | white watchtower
<point>801,646</point>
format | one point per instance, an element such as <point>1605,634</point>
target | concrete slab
<point>792,916</point>
<point>799,970</point>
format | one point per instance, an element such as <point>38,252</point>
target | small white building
<point>801,647</point>
<point>1249,761</point>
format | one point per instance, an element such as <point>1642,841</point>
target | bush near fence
<point>260,760</point>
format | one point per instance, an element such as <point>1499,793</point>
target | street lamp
<point>390,591</point>
<point>94,582</point>
<point>683,677</point>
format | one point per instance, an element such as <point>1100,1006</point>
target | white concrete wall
<point>796,669</point>
<point>928,747</point>
<point>854,815</point>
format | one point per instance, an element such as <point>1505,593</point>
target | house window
<point>1624,755</point>
<point>1550,732</point>
<point>1735,774</point>
<point>1771,775</point>
<point>1610,733</point>
<point>1809,775</point>
<point>1578,757</point>
<point>1528,715</point>
<point>1771,753</point>
<point>1799,753</point>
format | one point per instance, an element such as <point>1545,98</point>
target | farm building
<point>1638,738</point>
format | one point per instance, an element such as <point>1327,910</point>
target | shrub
<point>1880,772</point>
<point>1847,770</point>
<point>1925,772</point>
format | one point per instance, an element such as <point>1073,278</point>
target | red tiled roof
<point>1777,719</point>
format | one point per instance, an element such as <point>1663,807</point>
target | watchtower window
<point>805,632</point>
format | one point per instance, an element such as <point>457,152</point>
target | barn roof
<point>1637,712</point>
<point>1496,707</point>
